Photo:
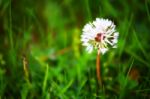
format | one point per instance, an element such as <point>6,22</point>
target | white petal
<point>116,34</point>
<point>115,46</point>
<point>87,28</point>
<point>89,49</point>
<point>106,40</point>
<point>103,50</point>
<point>85,44</point>
<point>114,41</point>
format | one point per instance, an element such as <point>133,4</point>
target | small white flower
<point>100,34</point>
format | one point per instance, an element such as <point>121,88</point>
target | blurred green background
<point>41,56</point>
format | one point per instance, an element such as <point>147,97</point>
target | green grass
<point>46,36</point>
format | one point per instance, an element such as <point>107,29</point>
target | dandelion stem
<point>98,68</point>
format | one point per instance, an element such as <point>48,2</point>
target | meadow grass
<point>41,56</point>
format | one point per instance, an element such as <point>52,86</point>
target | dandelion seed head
<point>100,35</point>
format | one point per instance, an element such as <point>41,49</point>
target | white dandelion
<point>100,35</point>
